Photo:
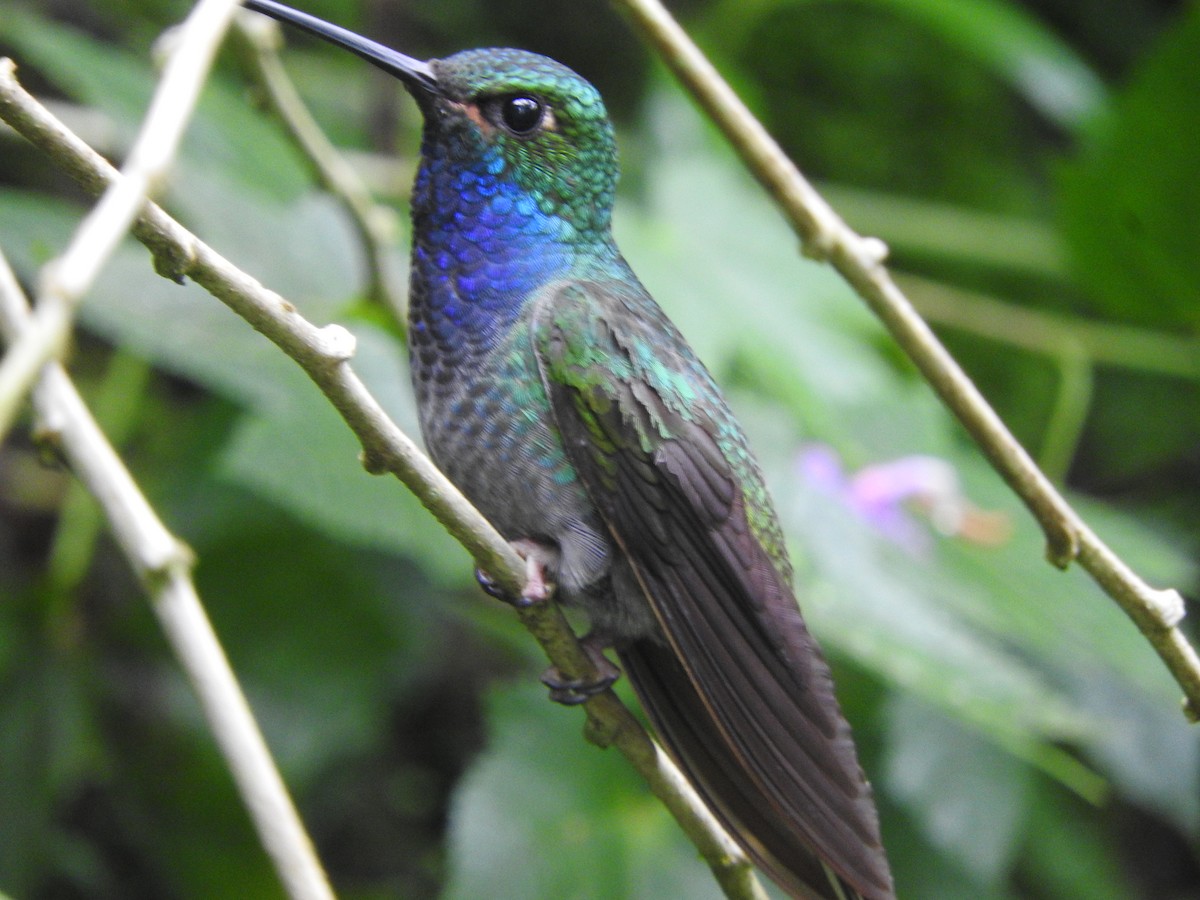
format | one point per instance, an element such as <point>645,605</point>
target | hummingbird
<point>560,399</point>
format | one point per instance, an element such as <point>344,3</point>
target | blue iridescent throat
<point>483,246</point>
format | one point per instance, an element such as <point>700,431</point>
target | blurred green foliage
<point>1023,739</point>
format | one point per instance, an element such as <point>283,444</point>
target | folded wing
<point>737,688</point>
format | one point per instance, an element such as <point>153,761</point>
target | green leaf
<point>34,228</point>
<point>292,446</point>
<point>953,234</point>
<point>895,614</point>
<point>225,135</point>
<point>1003,36</point>
<point>1017,46</point>
<point>304,248</point>
<point>48,741</point>
<point>712,251</point>
<point>301,247</point>
<point>302,455</point>
<point>543,815</point>
<point>922,869</point>
<point>1131,199</point>
<point>968,796</point>
<point>1068,856</point>
<point>311,626</point>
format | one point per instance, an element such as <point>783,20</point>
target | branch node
<point>1169,606</point>
<point>819,245</point>
<point>600,732</point>
<point>374,462</point>
<point>874,252</point>
<point>174,261</point>
<point>335,343</point>
<point>1062,544</point>
<point>1191,711</point>
<point>160,564</point>
<point>48,439</point>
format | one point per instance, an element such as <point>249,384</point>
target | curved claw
<point>573,691</point>
<point>492,588</point>
<point>540,559</point>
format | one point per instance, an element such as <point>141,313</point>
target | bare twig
<point>66,280</point>
<point>375,223</point>
<point>323,353</point>
<point>824,235</point>
<point>163,565</point>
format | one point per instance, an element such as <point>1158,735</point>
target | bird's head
<point>507,116</point>
<point>527,119</point>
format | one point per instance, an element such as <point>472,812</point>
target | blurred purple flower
<point>886,494</point>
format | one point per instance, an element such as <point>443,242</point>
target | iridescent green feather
<point>611,345</point>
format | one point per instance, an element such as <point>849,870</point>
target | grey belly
<point>514,471</point>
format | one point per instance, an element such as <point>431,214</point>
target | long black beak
<point>413,72</point>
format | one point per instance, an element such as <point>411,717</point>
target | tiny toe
<point>540,561</point>
<point>573,691</point>
<point>491,587</point>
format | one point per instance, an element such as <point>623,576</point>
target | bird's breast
<point>488,425</point>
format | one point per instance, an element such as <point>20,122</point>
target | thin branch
<point>375,223</point>
<point>163,564</point>
<point>824,235</point>
<point>323,354</point>
<point>79,521</point>
<point>66,280</point>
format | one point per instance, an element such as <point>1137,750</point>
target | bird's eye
<point>522,114</point>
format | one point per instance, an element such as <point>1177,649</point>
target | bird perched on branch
<point>568,408</point>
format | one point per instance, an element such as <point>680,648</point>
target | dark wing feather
<point>739,692</point>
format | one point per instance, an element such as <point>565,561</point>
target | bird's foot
<point>491,588</point>
<point>573,691</point>
<point>539,559</point>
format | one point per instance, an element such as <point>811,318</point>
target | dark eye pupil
<point>522,114</point>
